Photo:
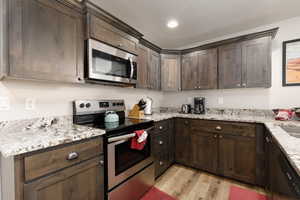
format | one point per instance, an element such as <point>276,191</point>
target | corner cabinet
<point>245,64</point>
<point>46,41</point>
<point>170,72</point>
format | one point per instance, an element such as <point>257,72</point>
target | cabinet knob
<point>195,87</point>
<point>215,136</point>
<point>79,79</point>
<point>221,136</point>
<point>244,84</point>
<point>238,85</point>
<point>101,162</point>
<point>199,87</point>
<point>186,122</point>
<point>161,163</point>
<point>218,128</point>
<point>160,142</point>
<point>72,156</point>
<point>160,128</point>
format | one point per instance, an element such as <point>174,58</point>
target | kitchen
<point>131,100</point>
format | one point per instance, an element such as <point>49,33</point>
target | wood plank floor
<point>189,184</point>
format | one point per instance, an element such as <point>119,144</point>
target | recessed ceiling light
<point>172,24</point>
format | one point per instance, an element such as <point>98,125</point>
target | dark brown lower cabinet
<point>162,143</point>
<point>237,157</point>
<point>204,151</point>
<point>84,181</point>
<point>224,148</point>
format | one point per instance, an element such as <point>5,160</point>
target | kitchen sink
<point>292,130</point>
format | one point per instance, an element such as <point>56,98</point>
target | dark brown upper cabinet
<point>170,72</point>
<point>245,64</point>
<point>189,75</point>
<point>45,41</point>
<point>148,69</point>
<point>256,63</point>
<point>230,66</point>
<point>200,70</point>
<point>103,31</point>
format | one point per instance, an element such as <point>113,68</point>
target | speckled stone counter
<point>24,136</point>
<point>289,145</point>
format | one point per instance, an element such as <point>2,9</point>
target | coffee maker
<point>199,105</point>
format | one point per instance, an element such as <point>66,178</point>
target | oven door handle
<point>121,138</point>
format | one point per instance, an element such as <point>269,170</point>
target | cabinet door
<point>182,142</point>
<point>256,63</point>
<point>84,181</point>
<point>204,151</point>
<point>208,69</point>
<point>142,68</point>
<point>154,70</point>
<point>230,66</point>
<point>189,71</point>
<point>170,73</point>
<point>171,135</point>
<point>46,41</point>
<point>237,157</point>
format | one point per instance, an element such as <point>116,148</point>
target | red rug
<point>156,194</point>
<point>237,193</point>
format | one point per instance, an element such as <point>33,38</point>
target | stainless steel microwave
<point>107,63</point>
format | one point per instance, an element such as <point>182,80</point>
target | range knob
<point>88,105</point>
<point>81,105</point>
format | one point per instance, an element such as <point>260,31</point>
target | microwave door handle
<point>131,68</point>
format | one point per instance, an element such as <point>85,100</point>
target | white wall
<point>55,99</point>
<point>274,97</point>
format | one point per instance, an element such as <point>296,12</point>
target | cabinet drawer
<point>105,32</point>
<point>232,128</point>
<point>40,164</point>
<point>162,126</point>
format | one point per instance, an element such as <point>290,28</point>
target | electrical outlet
<point>220,100</point>
<point>30,103</point>
<point>4,103</point>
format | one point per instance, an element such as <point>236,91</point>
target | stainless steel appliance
<point>107,63</point>
<point>129,173</point>
<point>199,105</point>
<point>148,107</point>
<point>186,108</point>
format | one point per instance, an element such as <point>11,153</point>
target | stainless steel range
<point>129,172</point>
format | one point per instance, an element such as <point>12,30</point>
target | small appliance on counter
<point>297,113</point>
<point>186,108</point>
<point>138,110</point>
<point>148,107</point>
<point>199,105</point>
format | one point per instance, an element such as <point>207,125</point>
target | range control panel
<point>82,107</point>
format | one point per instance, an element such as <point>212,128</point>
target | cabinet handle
<point>160,142</point>
<point>101,162</point>
<point>268,139</point>
<point>161,163</point>
<point>218,128</point>
<point>72,156</point>
<point>160,128</point>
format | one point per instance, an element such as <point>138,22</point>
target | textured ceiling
<point>199,20</point>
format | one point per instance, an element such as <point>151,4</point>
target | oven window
<point>110,65</point>
<point>126,157</point>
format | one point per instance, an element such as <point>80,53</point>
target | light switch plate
<point>30,103</point>
<point>220,100</point>
<point>4,103</point>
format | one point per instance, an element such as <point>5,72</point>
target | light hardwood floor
<point>189,184</point>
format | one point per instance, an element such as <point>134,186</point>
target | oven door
<point>107,63</point>
<point>124,162</point>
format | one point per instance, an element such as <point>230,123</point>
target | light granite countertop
<point>290,145</point>
<point>24,136</point>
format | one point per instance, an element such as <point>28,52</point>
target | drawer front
<point>162,126</point>
<point>41,164</point>
<point>105,32</point>
<point>232,128</point>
